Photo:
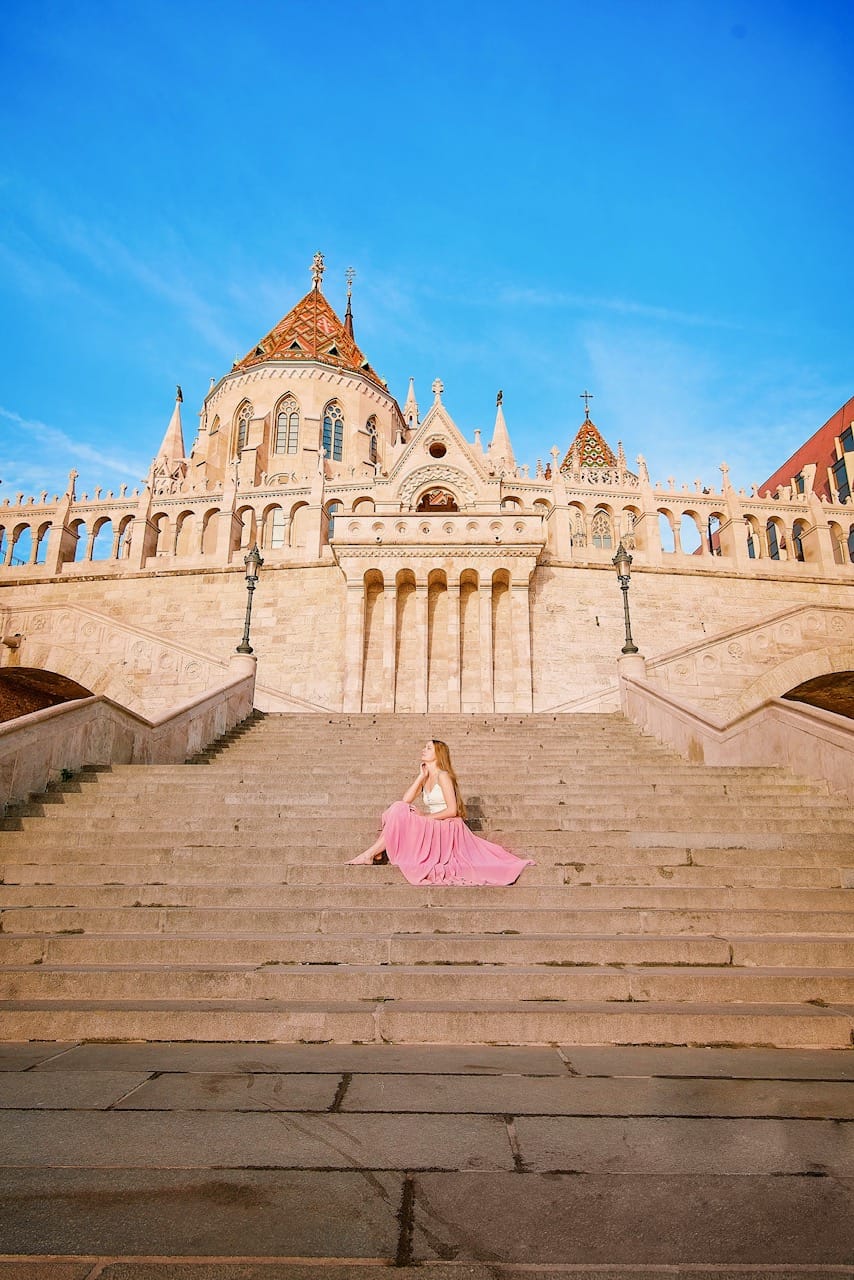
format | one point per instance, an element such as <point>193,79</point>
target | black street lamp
<point>622,562</point>
<point>253,563</point>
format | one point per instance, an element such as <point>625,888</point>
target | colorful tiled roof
<point>590,447</point>
<point>311,330</point>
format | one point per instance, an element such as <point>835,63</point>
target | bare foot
<point>364,859</point>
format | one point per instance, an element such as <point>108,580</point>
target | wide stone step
<point>183,920</point>
<point>361,895</point>
<point>471,983</point>
<point>829,951</point>
<point>165,869</point>
<point>417,1022</point>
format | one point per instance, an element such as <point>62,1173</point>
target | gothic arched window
<point>333,431</point>
<point>601,530</point>
<point>372,440</point>
<point>287,426</point>
<point>244,417</point>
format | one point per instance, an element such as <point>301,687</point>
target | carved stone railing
<point>805,739</point>
<point>742,667</point>
<point>39,748</point>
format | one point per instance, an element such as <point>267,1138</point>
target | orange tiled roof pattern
<point>310,330</point>
<point>592,450</point>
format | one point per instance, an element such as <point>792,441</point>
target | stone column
<point>520,621</point>
<point>354,645</point>
<point>454,674</point>
<point>389,641</point>
<point>419,644</point>
<point>486,684</point>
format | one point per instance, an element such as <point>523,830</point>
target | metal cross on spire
<point>317,269</point>
<point>586,396</point>
<point>350,276</point>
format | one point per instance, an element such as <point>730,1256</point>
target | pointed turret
<point>170,465</point>
<point>500,449</point>
<point>172,448</point>
<point>410,408</point>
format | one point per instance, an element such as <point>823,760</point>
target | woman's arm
<point>450,810</point>
<point>416,787</point>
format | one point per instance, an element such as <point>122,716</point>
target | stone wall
<point>151,641</point>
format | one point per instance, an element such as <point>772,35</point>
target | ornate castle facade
<point>408,568</point>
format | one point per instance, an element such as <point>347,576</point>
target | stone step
<point>829,951</point>
<point>360,894</point>
<point>375,983</point>
<point>165,868</point>
<point>485,983</point>
<point>414,1022</point>
<point>155,918</point>
<point>668,849</point>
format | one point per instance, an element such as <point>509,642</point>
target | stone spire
<point>410,408</point>
<point>500,449</point>
<point>172,448</point>
<point>348,314</point>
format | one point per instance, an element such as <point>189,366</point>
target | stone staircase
<point>671,903</point>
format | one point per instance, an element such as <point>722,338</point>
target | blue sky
<point>653,200</point>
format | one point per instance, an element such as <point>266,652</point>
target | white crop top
<point>434,801</point>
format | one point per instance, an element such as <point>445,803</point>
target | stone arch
<point>102,541</point>
<point>185,531</point>
<point>439,657</point>
<point>274,527</point>
<point>753,531</point>
<point>27,689</point>
<point>298,526</point>
<point>667,530</point>
<point>377,601</point>
<point>833,692</point>
<point>42,538</point>
<point>512,503</point>
<point>248,527</point>
<point>800,528</point>
<point>160,525</point>
<point>775,538</point>
<point>794,670</point>
<point>837,540</point>
<point>502,642</point>
<point>364,506</point>
<point>578,524</point>
<point>22,544</point>
<point>406,654</point>
<point>125,533</point>
<point>691,532</point>
<point>210,528</point>
<point>438,477</point>
<point>78,531</point>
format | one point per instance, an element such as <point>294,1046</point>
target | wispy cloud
<point>60,451</point>
<point>562,300</point>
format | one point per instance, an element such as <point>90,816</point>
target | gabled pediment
<point>438,454</point>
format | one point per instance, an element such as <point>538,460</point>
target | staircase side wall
<point>150,641</point>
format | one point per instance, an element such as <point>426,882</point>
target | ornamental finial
<point>437,388</point>
<point>350,276</point>
<point>317,270</point>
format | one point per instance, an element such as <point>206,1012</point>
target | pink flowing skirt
<point>446,852</point>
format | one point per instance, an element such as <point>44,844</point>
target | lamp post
<point>253,563</point>
<point>622,562</point>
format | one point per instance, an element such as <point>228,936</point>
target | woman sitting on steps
<point>437,847</point>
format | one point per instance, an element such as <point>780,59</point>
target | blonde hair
<point>443,760</point>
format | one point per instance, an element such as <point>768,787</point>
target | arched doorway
<point>26,689</point>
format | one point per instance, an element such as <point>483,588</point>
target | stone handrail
<point>36,749</point>
<point>799,737</point>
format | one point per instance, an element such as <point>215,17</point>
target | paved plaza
<point>148,1161</point>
